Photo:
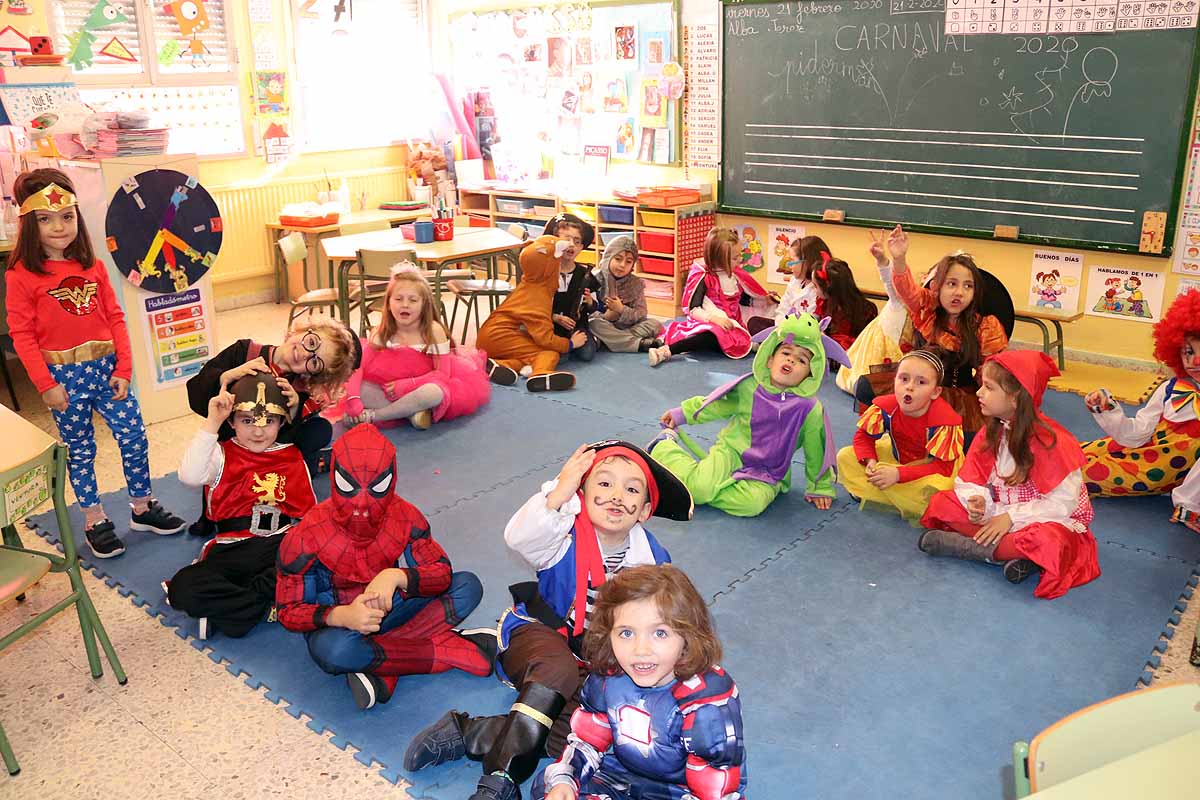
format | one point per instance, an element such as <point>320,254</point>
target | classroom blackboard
<point>868,107</point>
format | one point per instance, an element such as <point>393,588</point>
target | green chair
<point>1105,732</point>
<point>35,466</point>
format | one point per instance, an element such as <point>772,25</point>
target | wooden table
<point>26,470</point>
<point>468,244</point>
<point>1035,316</point>
<point>354,218</point>
<point>1165,770</point>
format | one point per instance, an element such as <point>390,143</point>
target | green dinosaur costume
<point>751,463</point>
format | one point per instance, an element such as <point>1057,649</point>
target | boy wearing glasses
<point>315,359</point>
<point>256,489</point>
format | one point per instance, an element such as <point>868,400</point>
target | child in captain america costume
<point>658,719</point>
<point>365,582</point>
<point>580,530</point>
<point>772,412</point>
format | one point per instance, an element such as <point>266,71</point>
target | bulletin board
<point>571,77</point>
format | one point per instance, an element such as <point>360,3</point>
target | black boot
<point>955,545</point>
<point>452,737</point>
<point>520,743</point>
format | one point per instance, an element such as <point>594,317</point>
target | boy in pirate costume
<point>257,488</point>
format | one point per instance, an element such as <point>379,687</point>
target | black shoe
<point>157,519</point>
<point>436,744</point>
<point>1018,569</point>
<point>500,374</point>
<point>485,639</point>
<point>102,539</point>
<point>496,787</point>
<point>551,382</point>
<point>368,690</point>
<point>202,527</point>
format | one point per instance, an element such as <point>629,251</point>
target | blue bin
<point>617,215</point>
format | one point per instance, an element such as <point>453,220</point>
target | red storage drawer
<point>659,266</point>
<point>656,242</point>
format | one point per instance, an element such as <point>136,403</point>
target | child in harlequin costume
<point>1154,452</point>
<point>257,488</point>
<point>365,582</point>
<point>577,286</point>
<point>713,297</point>
<point>69,332</point>
<point>658,718</point>
<point>773,412</point>
<point>1019,498</point>
<point>580,530</point>
<point>908,445</point>
<point>519,335</point>
<point>411,368</point>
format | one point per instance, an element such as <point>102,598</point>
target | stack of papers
<point>139,142</point>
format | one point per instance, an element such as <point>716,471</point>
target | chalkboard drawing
<point>1099,68</point>
<point>625,41</point>
<point>103,14</point>
<point>1027,121</point>
<point>752,255</point>
<point>1048,289</point>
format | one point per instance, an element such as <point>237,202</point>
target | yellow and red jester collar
<point>52,198</point>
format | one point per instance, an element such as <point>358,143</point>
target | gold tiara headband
<point>52,198</point>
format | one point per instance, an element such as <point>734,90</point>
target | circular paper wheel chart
<point>163,230</point>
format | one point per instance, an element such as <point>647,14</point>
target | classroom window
<point>175,60</point>
<point>362,76</point>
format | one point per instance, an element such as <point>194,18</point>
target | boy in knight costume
<point>257,488</point>
<point>772,413</point>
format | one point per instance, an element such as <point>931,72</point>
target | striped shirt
<point>614,562</point>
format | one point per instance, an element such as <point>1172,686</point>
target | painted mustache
<point>616,503</point>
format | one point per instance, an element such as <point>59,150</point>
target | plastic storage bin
<point>658,219</point>
<point>658,266</point>
<point>606,237</point>
<point>582,210</point>
<point>656,242</point>
<point>508,205</point>
<point>617,215</point>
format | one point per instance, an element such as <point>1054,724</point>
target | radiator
<point>247,248</point>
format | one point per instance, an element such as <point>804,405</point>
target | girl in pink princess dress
<point>411,369</point>
<point>713,297</point>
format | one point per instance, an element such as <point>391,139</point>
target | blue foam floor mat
<point>855,653</point>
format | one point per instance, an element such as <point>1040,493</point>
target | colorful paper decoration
<point>19,7</point>
<point>103,14</point>
<point>163,229</point>
<point>13,41</point>
<point>116,49</point>
<point>671,82</point>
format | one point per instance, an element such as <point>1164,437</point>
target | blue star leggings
<point>88,391</point>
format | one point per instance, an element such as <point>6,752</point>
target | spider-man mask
<point>364,481</point>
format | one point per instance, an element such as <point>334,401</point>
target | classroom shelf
<point>688,224</point>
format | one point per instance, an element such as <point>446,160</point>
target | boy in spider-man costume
<point>365,582</point>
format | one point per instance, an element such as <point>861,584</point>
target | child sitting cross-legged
<point>1019,498</point>
<point>658,717</point>
<point>362,578</point>
<point>257,488</point>
<point>580,530</point>
<point>908,445</point>
<point>621,322</point>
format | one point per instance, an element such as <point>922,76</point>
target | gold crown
<point>52,198</point>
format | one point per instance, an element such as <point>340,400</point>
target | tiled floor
<point>183,726</point>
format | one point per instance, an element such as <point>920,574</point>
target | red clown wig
<point>1181,321</point>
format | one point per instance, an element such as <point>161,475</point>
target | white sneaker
<point>659,354</point>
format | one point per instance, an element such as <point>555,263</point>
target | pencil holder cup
<point>443,230</point>
<point>424,231</point>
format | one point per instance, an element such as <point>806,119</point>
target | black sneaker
<point>551,382</point>
<point>1018,569</point>
<point>498,373</point>
<point>367,689</point>
<point>437,743</point>
<point>103,540</point>
<point>485,639</point>
<point>496,787</point>
<point>202,527</point>
<point>157,519</point>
